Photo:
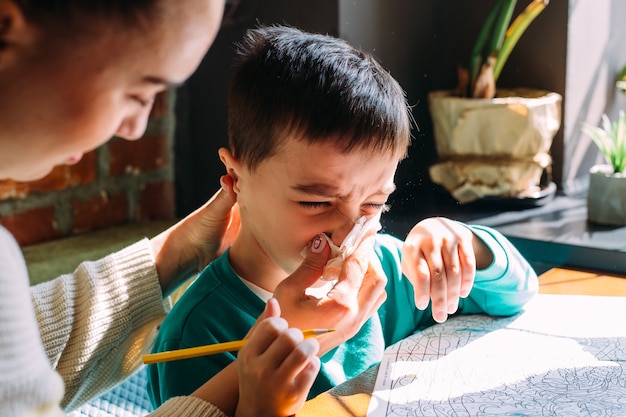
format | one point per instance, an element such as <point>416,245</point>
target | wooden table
<point>568,281</point>
<point>351,399</point>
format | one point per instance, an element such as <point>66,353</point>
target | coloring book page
<point>562,356</point>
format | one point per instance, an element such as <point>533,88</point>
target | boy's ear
<point>13,30</point>
<point>232,165</point>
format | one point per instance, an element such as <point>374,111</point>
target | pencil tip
<point>316,332</point>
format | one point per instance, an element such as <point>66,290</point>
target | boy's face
<point>301,191</point>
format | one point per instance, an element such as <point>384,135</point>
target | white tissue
<point>339,253</point>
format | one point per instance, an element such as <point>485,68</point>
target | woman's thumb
<point>225,198</point>
<point>312,267</point>
<point>225,205</point>
<point>272,309</point>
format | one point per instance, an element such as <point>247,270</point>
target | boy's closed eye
<point>368,207</point>
<point>315,204</point>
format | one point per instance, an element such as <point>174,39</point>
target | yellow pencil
<point>194,352</point>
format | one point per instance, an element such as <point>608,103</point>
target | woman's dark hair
<point>73,14</point>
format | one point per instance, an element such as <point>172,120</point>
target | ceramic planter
<point>493,147</point>
<point>606,198</point>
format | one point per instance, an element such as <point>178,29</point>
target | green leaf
<point>621,80</point>
<point>500,27</point>
<point>477,59</point>
<point>610,138</point>
<point>517,28</point>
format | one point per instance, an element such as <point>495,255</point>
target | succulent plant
<point>621,80</point>
<point>610,138</point>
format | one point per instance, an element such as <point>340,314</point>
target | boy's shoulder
<point>216,294</point>
<point>204,293</point>
<point>216,276</point>
<point>387,241</point>
<point>388,248</point>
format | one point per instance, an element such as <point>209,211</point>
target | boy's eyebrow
<point>329,190</point>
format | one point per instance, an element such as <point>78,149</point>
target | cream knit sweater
<point>66,341</point>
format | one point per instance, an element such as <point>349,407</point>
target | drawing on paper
<point>533,364</point>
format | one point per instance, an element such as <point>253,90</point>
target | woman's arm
<point>96,322</point>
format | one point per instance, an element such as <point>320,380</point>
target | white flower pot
<point>493,147</point>
<point>606,198</point>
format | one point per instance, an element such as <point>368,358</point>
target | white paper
<point>563,356</point>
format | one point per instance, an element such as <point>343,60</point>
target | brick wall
<point>120,182</point>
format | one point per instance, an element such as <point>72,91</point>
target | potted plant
<point>621,81</point>
<point>606,198</point>
<point>494,142</point>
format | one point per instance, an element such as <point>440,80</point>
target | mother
<point>74,73</point>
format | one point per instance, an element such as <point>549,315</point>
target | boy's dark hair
<point>315,88</point>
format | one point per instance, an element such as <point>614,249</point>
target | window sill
<point>555,234</point>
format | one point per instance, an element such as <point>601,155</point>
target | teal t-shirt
<point>218,307</point>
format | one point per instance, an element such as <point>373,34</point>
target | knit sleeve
<point>28,385</point>
<point>96,323</point>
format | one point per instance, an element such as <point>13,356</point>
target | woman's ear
<point>233,166</point>
<point>14,31</point>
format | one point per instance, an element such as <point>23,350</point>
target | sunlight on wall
<point>595,55</point>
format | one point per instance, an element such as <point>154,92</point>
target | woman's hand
<point>188,246</point>
<point>356,296</point>
<point>277,367</point>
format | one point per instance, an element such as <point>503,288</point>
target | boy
<point>317,129</point>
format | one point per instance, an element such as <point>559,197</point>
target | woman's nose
<point>133,127</point>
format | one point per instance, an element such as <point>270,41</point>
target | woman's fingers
<point>264,333</point>
<point>280,351</point>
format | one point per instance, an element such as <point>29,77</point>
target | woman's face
<point>62,99</point>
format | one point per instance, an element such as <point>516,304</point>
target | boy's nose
<point>345,223</point>
<point>339,234</point>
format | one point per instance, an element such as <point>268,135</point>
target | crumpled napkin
<point>339,253</point>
